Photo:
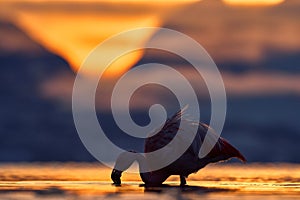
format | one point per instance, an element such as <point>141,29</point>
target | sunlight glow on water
<point>38,181</point>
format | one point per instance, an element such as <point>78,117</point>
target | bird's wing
<point>165,134</point>
<point>221,150</point>
<point>204,131</point>
<point>186,129</point>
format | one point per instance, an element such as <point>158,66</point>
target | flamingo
<point>189,162</point>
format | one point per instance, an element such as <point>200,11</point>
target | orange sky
<point>73,33</point>
<point>253,2</point>
<point>234,34</point>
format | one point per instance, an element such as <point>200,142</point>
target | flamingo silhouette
<point>189,162</point>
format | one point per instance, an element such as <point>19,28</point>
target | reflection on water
<point>87,181</point>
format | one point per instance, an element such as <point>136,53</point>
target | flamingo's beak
<point>116,176</point>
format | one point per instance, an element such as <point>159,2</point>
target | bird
<point>189,162</point>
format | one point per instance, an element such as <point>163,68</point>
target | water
<point>92,181</point>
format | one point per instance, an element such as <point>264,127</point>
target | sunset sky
<point>79,26</point>
<point>72,29</point>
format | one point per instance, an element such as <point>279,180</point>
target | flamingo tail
<point>230,151</point>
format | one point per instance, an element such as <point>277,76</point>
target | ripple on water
<point>89,180</point>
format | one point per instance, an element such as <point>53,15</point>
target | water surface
<point>92,181</point>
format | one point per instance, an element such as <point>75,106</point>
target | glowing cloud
<point>72,29</point>
<point>253,2</point>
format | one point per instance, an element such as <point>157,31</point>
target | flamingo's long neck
<point>126,159</point>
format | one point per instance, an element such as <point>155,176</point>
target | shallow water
<point>92,181</point>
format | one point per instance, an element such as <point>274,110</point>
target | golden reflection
<point>92,178</point>
<point>253,2</point>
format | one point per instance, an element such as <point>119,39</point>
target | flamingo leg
<point>182,180</point>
